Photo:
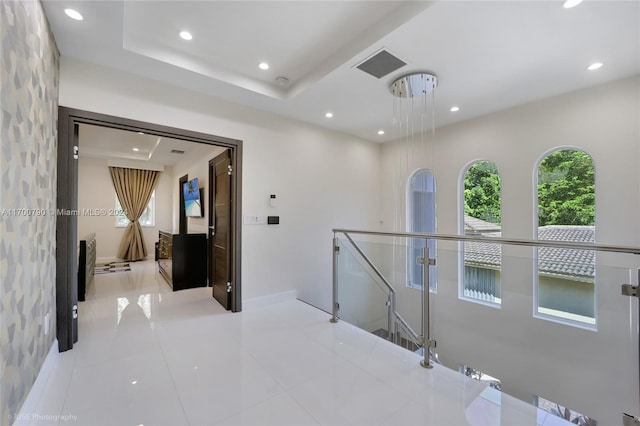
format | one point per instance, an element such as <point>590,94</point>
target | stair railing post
<point>335,307</point>
<point>426,346</point>
<point>391,308</point>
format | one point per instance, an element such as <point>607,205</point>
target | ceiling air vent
<point>381,64</point>
<point>177,151</point>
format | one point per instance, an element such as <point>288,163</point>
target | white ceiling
<point>487,55</point>
<point>154,151</point>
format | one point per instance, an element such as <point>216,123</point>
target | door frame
<point>67,189</point>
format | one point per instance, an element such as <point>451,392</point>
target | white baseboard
<point>262,301</point>
<point>30,404</point>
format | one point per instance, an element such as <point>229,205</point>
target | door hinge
<point>630,290</point>
<point>629,420</point>
<point>420,261</point>
<point>76,151</point>
<point>228,287</point>
<point>336,249</point>
<point>229,169</point>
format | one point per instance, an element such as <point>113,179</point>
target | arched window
<point>565,279</point>
<point>421,217</point>
<point>482,204</point>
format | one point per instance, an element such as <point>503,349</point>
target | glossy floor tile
<point>149,356</point>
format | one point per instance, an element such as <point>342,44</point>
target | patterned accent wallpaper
<point>29,71</point>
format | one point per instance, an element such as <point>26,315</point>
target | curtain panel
<point>134,188</point>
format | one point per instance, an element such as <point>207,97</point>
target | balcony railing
<point>560,329</point>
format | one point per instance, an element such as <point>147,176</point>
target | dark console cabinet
<point>182,260</point>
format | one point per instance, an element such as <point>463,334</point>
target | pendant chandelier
<point>414,128</point>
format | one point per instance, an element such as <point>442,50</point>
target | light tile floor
<point>149,356</point>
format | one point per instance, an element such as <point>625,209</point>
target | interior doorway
<point>69,121</point>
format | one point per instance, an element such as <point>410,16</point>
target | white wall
<point>95,191</point>
<point>593,372</point>
<point>323,179</point>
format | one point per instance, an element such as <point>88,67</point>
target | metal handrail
<point>371,265</point>
<point>498,240</point>
<point>407,327</point>
<point>427,342</point>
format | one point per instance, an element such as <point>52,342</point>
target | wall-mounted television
<point>192,199</point>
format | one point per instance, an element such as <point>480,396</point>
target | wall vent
<point>177,151</point>
<point>381,64</point>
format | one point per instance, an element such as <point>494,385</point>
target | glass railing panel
<point>573,369</point>
<point>407,340</point>
<point>398,256</point>
<point>395,261</point>
<point>362,298</point>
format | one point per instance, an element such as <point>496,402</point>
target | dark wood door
<point>182,225</point>
<point>220,226</point>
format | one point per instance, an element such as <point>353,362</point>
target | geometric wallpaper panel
<point>29,71</point>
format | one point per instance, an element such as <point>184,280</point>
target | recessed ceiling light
<point>595,66</point>
<point>263,66</point>
<point>568,4</point>
<point>381,132</point>
<point>73,14</point>
<point>140,133</point>
<point>134,382</point>
<point>329,115</point>
<point>185,35</point>
<point>136,149</point>
<point>454,109</point>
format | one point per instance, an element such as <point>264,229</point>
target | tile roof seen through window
<point>572,264</point>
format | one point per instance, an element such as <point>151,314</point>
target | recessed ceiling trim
<point>155,146</point>
<point>400,15</point>
<point>137,44</point>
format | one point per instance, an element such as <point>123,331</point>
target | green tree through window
<point>566,194</point>
<point>482,192</point>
